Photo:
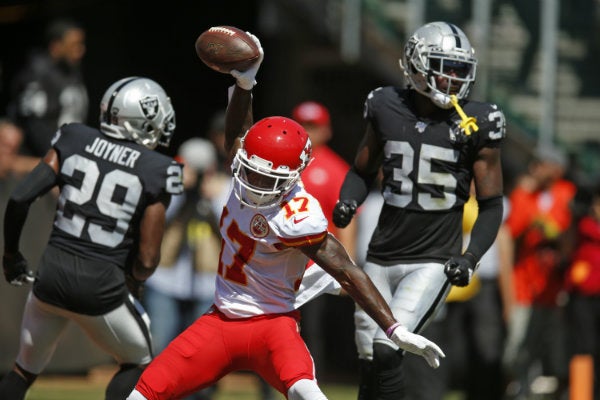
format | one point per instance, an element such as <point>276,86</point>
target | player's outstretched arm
<point>38,182</point>
<point>237,117</point>
<point>334,259</point>
<point>239,109</point>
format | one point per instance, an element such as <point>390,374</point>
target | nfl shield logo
<point>149,106</point>
<point>421,126</point>
<point>457,134</point>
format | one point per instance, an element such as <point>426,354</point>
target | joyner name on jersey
<point>113,152</point>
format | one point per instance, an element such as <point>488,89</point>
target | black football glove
<point>136,287</point>
<point>459,270</point>
<point>343,212</point>
<point>15,269</point>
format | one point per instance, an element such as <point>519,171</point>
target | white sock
<point>304,389</point>
<point>135,395</point>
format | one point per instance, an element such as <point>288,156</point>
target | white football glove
<point>418,345</point>
<point>246,79</point>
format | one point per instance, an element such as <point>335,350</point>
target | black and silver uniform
<point>427,169</point>
<point>105,186</point>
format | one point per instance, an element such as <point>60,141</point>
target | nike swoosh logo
<point>296,220</point>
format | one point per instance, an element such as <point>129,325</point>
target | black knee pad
<point>368,382</point>
<point>30,377</point>
<point>13,386</point>
<point>123,382</point>
<point>388,372</point>
<point>385,357</point>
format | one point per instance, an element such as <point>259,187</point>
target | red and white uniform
<point>254,324</point>
<point>260,269</point>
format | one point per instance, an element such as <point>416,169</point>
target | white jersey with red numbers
<point>261,268</point>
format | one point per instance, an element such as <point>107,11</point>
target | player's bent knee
<point>135,395</point>
<point>304,389</point>
<point>386,357</point>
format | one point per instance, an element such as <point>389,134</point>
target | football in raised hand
<point>224,48</point>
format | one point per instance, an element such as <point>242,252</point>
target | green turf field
<point>241,387</point>
<point>65,389</point>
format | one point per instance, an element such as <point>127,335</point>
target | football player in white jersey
<point>270,228</point>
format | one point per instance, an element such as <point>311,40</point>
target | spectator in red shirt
<point>322,178</point>
<point>583,274</point>
<point>539,219</point>
<point>583,284</point>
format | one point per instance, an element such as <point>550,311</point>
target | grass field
<point>233,387</point>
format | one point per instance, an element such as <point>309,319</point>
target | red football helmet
<point>274,152</point>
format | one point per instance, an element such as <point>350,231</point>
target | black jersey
<point>427,170</point>
<point>105,186</point>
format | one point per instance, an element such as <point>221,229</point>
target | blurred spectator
<point>182,287</point>
<point>540,215</point>
<point>583,284</point>
<point>326,172</point>
<point>11,162</point>
<point>49,91</point>
<point>216,134</point>
<point>217,184</point>
<point>323,178</point>
<point>10,142</point>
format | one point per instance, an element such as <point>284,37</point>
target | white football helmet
<point>267,166</point>
<point>137,109</point>
<point>439,49</point>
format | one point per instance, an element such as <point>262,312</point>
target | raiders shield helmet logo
<point>149,106</point>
